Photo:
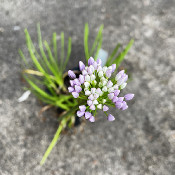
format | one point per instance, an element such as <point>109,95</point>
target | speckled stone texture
<point>142,139</point>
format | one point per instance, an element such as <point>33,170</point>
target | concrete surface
<point>142,139</point>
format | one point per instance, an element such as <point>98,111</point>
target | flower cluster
<point>97,89</point>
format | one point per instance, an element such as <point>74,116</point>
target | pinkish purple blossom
<point>95,89</point>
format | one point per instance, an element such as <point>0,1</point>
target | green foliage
<point>96,45</point>
<point>47,73</point>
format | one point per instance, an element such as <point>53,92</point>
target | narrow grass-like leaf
<point>98,48</point>
<point>97,39</point>
<point>54,39</point>
<point>86,47</point>
<point>121,56</point>
<point>62,49</point>
<point>22,56</point>
<point>68,53</point>
<point>109,61</point>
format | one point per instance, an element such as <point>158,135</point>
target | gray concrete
<point>142,139</point>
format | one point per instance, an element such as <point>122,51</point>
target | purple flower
<point>82,108</point>
<point>115,99</point>
<point>80,113</point>
<point>129,97</point>
<point>105,108</point>
<point>90,61</point>
<point>120,99</point>
<point>119,75</point>
<point>90,70</point>
<point>92,107</point>
<point>91,97</point>
<point>81,65</point>
<point>95,65</point>
<point>99,61</point>
<point>92,119</point>
<point>75,94</point>
<point>72,82</point>
<point>111,118</point>
<point>71,74</point>
<point>109,84</point>
<point>89,102</point>
<point>116,92</point>
<point>77,82</point>
<point>78,89</point>
<point>118,104</point>
<point>70,89</point>
<point>81,79</point>
<point>113,67</point>
<point>108,73</point>
<point>111,96</point>
<point>124,106</point>
<point>88,115</point>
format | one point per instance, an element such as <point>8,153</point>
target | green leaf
<point>110,59</point>
<point>98,48</point>
<point>62,49</point>
<point>86,34</point>
<point>68,53</point>
<point>121,56</point>
<point>54,39</point>
<point>97,39</point>
<point>22,56</point>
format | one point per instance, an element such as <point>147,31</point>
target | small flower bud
<point>118,104</point>
<point>84,72</point>
<point>71,74</point>
<point>111,118</point>
<point>89,102</point>
<point>111,96</point>
<point>104,69</point>
<point>100,73</point>
<point>105,108</point>
<point>109,84</point>
<point>111,90</point>
<point>99,61</point>
<point>116,92</point>
<point>129,96</point>
<point>99,106</point>
<point>80,113</point>
<point>113,67</point>
<point>92,119</point>
<point>104,101</point>
<point>104,89</point>
<point>91,97</point>
<point>123,86</point>
<point>88,92</point>
<point>75,94</point>
<point>81,66</point>
<point>95,65</point>
<point>115,99</point>
<point>92,107</point>
<point>81,79</point>
<point>70,89</point>
<point>78,89</point>
<point>86,84</point>
<point>77,82</point>
<point>95,102</point>
<point>82,108</point>
<point>93,90</point>
<point>90,61</point>
<point>87,78</point>
<point>92,77</point>
<point>88,115</point>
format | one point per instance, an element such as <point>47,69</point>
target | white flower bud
<point>93,90</point>
<point>104,69</point>
<point>95,82</point>
<point>96,96</point>
<point>104,101</point>
<point>111,89</point>
<point>100,73</point>
<point>84,72</point>
<point>92,68</point>
<point>115,86</point>
<point>123,85</point>
<point>104,89</point>
<point>92,77</point>
<point>104,82</point>
<point>100,84</point>
<point>110,68</point>
<point>95,102</point>
<point>87,92</point>
<point>86,84</point>
<point>99,69</point>
<point>87,78</point>
<point>99,106</point>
